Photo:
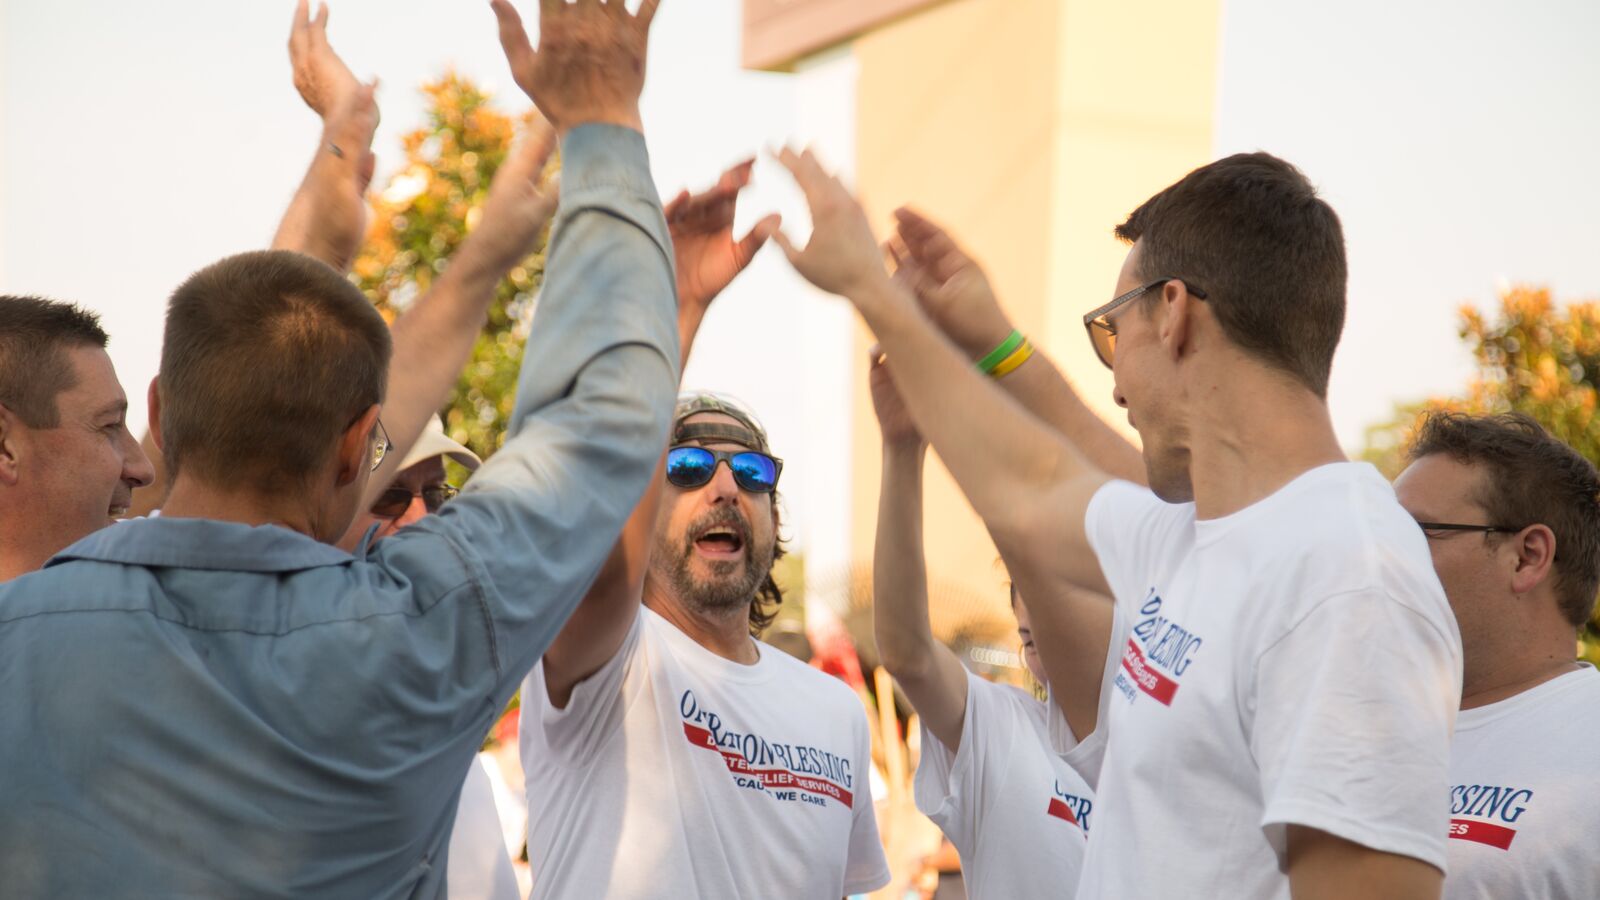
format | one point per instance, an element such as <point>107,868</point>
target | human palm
<point>708,256</point>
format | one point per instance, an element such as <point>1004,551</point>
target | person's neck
<point>725,633</point>
<point>18,559</point>
<point>25,546</point>
<point>1250,437</point>
<point>192,499</point>
<point>1520,662</point>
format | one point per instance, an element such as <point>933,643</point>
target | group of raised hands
<point>589,68</point>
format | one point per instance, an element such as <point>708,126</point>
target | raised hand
<point>842,256</point>
<point>701,225</point>
<point>893,418</point>
<point>320,76</point>
<point>589,66</point>
<point>520,203</point>
<point>951,286</point>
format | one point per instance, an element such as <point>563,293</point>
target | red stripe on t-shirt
<point>772,778</point>
<point>1149,680</point>
<point>1062,811</point>
<point>1482,832</point>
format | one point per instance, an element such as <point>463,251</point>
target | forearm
<point>326,218</point>
<point>929,673</point>
<point>1043,390</point>
<point>899,573</point>
<point>1004,459</point>
<point>432,343</point>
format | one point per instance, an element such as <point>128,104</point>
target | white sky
<point>139,142</point>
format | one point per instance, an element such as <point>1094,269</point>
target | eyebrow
<point>120,408</point>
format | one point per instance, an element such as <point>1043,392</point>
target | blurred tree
<point>420,218</point>
<point>1533,358</point>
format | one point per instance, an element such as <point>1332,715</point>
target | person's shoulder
<point>800,677</point>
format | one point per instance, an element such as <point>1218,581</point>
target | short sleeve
<point>593,713</point>
<point>479,868</point>
<point>1086,753</point>
<point>866,869</point>
<point>1354,709</point>
<point>1131,531</point>
<point>956,789</point>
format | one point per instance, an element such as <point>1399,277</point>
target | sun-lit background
<point>139,142</point>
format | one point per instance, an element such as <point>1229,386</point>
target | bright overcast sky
<point>139,142</point>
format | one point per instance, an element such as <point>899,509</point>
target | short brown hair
<point>33,369</point>
<point>1252,233</point>
<point>267,357</point>
<point>1532,479</point>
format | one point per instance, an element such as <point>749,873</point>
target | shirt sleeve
<point>1354,709</point>
<point>1131,530</point>
<point>956,789</point>
<point>594,400</point>
<point>594,712</point>
<point>865,869</point>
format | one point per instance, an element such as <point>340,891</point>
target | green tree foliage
<point>1533,357</point>
<point>419,219</point>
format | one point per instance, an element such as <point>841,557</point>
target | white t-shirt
<point>1015,811</point>
<point>1294,663</point>
<point>1524,820</point>
<point>673,772</point>
<point>479,868</point>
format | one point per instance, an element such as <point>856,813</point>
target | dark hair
<point>1532,479</point>
<point>764,608</point>
<point>33,369</point>
<point>268,357</point>
<point>1251,232</point>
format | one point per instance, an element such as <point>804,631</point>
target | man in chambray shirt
<point>219,703</point>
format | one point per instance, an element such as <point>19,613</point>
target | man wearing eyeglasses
<point>1285,675</point>
<point>1512,517</point>
<point>417,490</point>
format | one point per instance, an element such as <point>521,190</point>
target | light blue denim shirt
<point>192,708</point>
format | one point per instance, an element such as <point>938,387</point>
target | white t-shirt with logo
<point>1294,663</point>
<point>1015,811</point>
<point>1524,816</point>
<point>674,772</point>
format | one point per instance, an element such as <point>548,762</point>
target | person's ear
<point>152,404</point>
<point>10,451</point>
<point>354,454</point>
<point>1535,547</point>
<point>1177,323</point>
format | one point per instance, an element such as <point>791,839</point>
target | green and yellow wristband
<point>1004,359</point>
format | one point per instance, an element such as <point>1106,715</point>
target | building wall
<point>1030,128</point>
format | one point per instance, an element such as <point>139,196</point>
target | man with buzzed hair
<point>221,703</point>
<point>68,464</point>
<point>1512,516</point>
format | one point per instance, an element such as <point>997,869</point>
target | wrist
<point>981,339</point>
<point>905,454</point>
<point>627,117</point>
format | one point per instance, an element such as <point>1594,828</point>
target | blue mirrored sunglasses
<point>692,467</point>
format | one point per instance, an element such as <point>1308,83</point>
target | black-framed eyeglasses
<point>1103,334</point>
<point>690,466</point>
<point>393,503</point>
<point>381,445</point>
<point>1445,529</point>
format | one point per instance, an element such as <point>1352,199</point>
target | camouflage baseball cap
<point>690,403</point>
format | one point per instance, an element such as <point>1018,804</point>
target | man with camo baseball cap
<point>671,726</point>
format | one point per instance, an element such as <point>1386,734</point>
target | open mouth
<point>720,542</point>
<point>117,511</point>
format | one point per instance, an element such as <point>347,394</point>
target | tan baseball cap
<point>434,442</point>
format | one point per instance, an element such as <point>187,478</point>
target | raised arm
<point>1029,484</point>
<point>707,259</point>
<point>927,670</point>
<point>327,217</point>
<point>434,338</point>
<point>957,296</point>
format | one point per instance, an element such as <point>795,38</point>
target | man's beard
<point>733,582</point>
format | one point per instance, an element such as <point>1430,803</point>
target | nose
<point>1120,398</point>
<point>722,488</point>
<point>413,513</point>
<point>137,470</point>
